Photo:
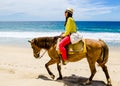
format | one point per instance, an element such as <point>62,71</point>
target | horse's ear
<point>29,41</point>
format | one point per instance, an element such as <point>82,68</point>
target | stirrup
<point>64,62</point>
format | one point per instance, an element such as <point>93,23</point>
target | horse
<point>97,51</point>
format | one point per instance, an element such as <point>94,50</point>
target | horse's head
<point>40,43</point>
<point>36,49</point>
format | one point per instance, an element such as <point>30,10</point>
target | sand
<point>18,67</point>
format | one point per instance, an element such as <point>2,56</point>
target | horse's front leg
<point>47,67</point>
<point>59,70</point>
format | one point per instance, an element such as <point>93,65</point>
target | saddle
<point>77,48</point>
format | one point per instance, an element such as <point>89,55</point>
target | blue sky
<point>53,10</point>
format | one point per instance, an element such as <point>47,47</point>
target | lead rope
<point>42,55</point>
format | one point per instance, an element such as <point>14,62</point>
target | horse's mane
<point>45,42</point>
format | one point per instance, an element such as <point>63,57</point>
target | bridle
<point>39,52</point>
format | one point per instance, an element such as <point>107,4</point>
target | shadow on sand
<point>44,78</point>
<point>78,81</point>
<point>75,81</point>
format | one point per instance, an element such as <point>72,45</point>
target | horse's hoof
<point>60,78</point>
<point>109,84</point>
<point>88,82</point>
<point>52,76</point>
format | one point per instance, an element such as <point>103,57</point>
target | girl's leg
<point>65,41</point>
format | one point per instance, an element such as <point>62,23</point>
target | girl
<point>70,27</point>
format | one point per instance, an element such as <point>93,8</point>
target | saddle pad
<point>76,48</point>
<point>79,47</point>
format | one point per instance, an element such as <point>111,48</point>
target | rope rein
<point>42,54</point>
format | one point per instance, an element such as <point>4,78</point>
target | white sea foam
<point>27,34</point>
<point>105,36</point>
<point>111,38</point>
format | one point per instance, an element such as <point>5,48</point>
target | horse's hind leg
<point>47,67</point>
<point>104,67</point>
<point>93,71</point>
<point>105,70</point>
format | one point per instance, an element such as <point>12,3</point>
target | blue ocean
<point>19,32</point>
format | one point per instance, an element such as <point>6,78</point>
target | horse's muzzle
<point>36,55</point>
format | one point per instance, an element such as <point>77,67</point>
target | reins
<point>42,54</point>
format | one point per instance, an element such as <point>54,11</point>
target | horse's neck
<point>47,42</point>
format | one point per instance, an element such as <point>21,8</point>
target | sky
<point>53,10</point>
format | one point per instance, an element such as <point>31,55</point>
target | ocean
<point>19,32</point>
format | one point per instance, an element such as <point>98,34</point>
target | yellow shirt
<point>70,27</point>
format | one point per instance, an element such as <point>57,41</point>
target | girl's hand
<point>62,35</point>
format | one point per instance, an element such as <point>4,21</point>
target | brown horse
<point>97,51</point>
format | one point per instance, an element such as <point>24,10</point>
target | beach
<point>19,67</point>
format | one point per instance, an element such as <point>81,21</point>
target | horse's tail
<point>105,54</point>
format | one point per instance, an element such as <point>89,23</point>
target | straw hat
<point>70,10</point>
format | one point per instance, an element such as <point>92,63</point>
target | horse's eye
<point>33,47</point>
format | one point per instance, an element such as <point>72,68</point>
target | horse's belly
<point>76,57</point>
